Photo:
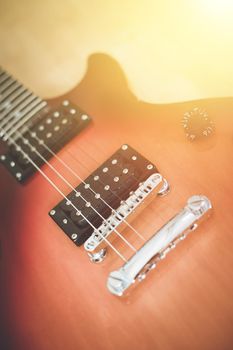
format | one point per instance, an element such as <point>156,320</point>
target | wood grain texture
<point>52,297</point>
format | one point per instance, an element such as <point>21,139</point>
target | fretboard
<point>18,105</point>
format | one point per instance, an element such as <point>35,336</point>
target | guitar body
<point>53,297</point>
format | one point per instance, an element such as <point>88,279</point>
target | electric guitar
<point>97,188</point>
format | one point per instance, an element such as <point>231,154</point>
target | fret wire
<point>4,77</point>
<point>24,120</point>
<point>33,102</point>
<point>6,85</point>
<point>12,94</point>
<point>17,106</point>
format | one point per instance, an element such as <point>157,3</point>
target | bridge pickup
<point>53,127</point>
<point>155,249</point>
<point>123,211</point>
<point>119,185</point>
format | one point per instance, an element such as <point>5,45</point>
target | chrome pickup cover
<point>123,211</point>
<point>146,258</point>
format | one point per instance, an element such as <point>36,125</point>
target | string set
<point>13,128</point>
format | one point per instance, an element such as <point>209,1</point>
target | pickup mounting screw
<point>84,117</point>
<point>3,157</point>
<point>18,176</point>
<point>52,212</point>
<point>74,236</point>
<point>124,147</point>
<point>149,166</point>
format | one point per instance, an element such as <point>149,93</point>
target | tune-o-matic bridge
<point>30,127</point>
<point>107,197</point>
<point>156,248</point>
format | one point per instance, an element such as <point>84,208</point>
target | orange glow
<point>169,50</point>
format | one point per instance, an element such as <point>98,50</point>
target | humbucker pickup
<point>110,194</point>
<point>51,127</point>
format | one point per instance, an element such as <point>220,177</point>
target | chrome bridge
<point>155,181</point>
<point>156,248</point>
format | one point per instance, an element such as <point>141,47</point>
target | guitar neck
<point>16,102</point>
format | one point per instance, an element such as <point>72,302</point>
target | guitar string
<point>17,106</point>
<point>27,142</point>
<point>21,124</point>
<point>64,196</point>
<point>34,107</point>
<point>9,137</point>
<point>91,157</point>
<point>131,227</point>
<point>40,141</point>
<point>14,117</point>
<point>8,96</point>
<point>16,94</point>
